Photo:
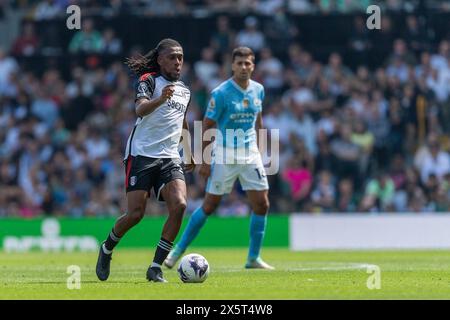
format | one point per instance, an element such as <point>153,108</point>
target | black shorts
<point>144,173</point>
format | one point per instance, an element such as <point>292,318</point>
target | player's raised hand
<point>167,92</point>
<point>205,170</point>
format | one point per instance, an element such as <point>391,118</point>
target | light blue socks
<point>257,230</point>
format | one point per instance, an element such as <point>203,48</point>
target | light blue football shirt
<point>232,107</point>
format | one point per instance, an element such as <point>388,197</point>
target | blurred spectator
<point>270,69</point>
<point>397,171</point>
<point>96,145</point>
<point>207,70</point>
<point>359,40</point>
<point>299,181</point>
<point>277,118</point>
<point>279,30</point>
<point>110,43</point>
<point>325,160</point>
<point>160,7</point>
<point>297,99</point>
<point>365,140</point>
<point>335,69</point>
<point>439,60</point>
<point>268,7</point>
<point>8,66</point>
<point>45,109</point>
<point>380,129</point>
<point>343,6</point>
<point>227,5</point>
<point>379,194</point>
<point>435,162</point>
<point>324,194</point>
<point>346,200</point>
<point>28,43</point>
<point>251,36</point>
<point>414,33</point>
<point>347,154</point>
<point>222,40</point>
<point>87,40</point>
<point>299,6</point>
<point>401,54</point>
<point>48,9</point>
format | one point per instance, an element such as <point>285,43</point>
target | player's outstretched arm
<point>145,106</point>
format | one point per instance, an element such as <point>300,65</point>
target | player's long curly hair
<point>149,62</point>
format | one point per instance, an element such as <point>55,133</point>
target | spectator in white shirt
<point>8,66</point>
<point>436,162</point>
<point>207,70</point>
<point>271,70</point>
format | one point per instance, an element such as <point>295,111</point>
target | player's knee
<point>136,215</point>
<point>262,207</point>
<point>179,205</point>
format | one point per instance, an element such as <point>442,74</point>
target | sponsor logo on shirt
<point>176,105</point>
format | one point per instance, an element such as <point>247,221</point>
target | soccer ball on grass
<point>193,268</point>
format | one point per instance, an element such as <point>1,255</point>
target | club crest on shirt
<point>245,103</point>
<point>257,102</point>
<point>143,87</point>
<point>212,103</point>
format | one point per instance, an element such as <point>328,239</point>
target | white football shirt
<point>157,135</point>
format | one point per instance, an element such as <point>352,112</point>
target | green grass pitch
<point>298,275</point>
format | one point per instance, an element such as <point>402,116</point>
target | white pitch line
<point>321,267</point>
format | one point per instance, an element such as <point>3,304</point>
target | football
<point>193,268</point>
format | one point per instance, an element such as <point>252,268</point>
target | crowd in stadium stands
<point>350,140</point>
<point>48,9</point>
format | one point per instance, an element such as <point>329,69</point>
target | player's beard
<point>244,76</point>
<point>171,76</point>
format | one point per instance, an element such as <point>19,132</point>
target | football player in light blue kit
<point>235,110</point>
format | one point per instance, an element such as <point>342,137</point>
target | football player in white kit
<point>152,159</point>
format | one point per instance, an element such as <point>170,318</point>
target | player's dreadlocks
<point>149,62</point>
